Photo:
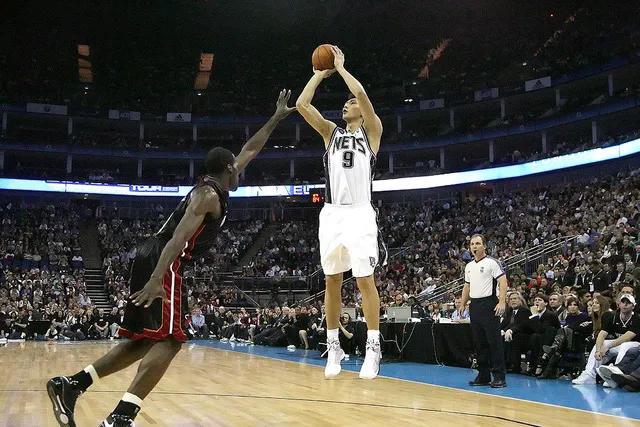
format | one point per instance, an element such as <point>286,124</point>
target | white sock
<point>332,334</point>
<point>92,371</point>
<point>374,335</point>
<point>132,398</point>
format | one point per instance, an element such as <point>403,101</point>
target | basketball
<point>322,58</point>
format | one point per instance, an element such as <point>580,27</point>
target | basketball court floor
<point>227,384</point>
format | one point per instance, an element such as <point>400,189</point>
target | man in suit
<point>544,324</point>
<point>538,330</point>
<point>514,317</point>
<point>273,332</point>
<point>617,276</point>
<point>569,272</point>
<point>580,277</point>
<point>556,304</point>
<point>562,278</point>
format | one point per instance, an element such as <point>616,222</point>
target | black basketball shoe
<point>117,420</point>
<point>63,392</point>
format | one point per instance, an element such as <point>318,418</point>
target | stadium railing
<point>528,261</point>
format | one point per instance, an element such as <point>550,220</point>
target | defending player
<point>348,231</point>
<point>154,316</point>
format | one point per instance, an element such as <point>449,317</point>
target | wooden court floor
<point>209,387</point>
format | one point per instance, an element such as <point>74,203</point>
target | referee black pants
<point>487,339</point>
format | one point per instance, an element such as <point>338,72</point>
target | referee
<point>480,277</point>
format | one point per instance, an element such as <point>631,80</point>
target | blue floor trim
<point>555,392</point>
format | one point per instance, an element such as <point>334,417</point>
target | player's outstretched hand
<point>152,290</point>
<point>338,57</point>
<point>282,110</point>
<point>324,73</point>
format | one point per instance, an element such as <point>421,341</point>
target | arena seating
<point>478,56</point>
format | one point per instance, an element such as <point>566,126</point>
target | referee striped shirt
<point>482,277</point>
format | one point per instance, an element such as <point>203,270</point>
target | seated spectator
<point>198,327</point>
<point>52,333</point>
<point>556,304</point>
<point>599,310</point>
<point>617,336</point>
<point>456,317</point>
<point>19,327</point>
<point>273,335</point>
<point>516,336</point>
<point>76,330</point>
<point>4,319</point>
<point>538,330</point>
<point>316,332</point>
<point>263,318</point>
<point>575,327</point>
<point>345,333</point>
<point>626,373</point>
<point>84,300</point>
<point>598,281</point>
<point>100,327</point>
<point>398,301</point>
<point>297,332</point>
<point>544,324</point>
<point>433,311</point>
<point>116,318</point>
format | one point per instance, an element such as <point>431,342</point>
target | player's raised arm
<point>372,124</point>
<point>253,146</point>
<point>323,126</point>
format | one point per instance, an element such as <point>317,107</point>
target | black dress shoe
<point>498,384</point>
<point>627,381</point>
<point>479,382</point>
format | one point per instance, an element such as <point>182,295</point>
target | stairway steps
<point>258,245</point>
<point>93,275</point>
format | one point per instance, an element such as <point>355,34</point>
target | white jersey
<point>348,167</point>
<point>482,277</point>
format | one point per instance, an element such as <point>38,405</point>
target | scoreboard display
<point>317,197</point>
<point>312,196</point>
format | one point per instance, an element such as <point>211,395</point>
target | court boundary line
<point>437,385</point>
<point>381,376</point>
<point>306,400</point>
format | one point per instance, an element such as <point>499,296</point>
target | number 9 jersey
<point>348,232</point>
<point>349,168</point>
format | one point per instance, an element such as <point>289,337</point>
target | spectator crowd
<point>571,302</point>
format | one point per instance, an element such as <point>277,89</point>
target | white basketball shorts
<point>348,237</point>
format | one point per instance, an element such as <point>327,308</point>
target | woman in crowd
<point>576,326</point>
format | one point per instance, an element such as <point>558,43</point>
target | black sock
<point>83,379</point>
<point>127,408</point>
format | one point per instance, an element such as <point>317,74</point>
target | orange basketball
<point>322,58</point>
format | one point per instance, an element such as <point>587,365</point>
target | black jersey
<point>205,236</point>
